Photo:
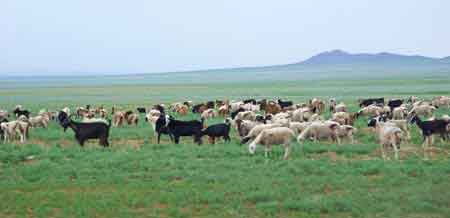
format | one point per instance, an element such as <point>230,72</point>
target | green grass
<point>137,178</point>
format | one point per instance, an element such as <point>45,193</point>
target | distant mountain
<point>338,57</point>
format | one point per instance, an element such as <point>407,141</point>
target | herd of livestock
<point>263,122</point>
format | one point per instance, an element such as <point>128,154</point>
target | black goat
<point>284,104</point>
<point>252,101</point>
<point>85,131</point>
<point>218,130</point>
<point>141,110</point>
<point>394,103</point>
<point>431,127</point>
<point>19,112</point>
<point>234,113</point>
<point>210,104</point>
<point>160,108</point>
<point>178,128</point>
<point>369,101</point>
<point>199,108</point>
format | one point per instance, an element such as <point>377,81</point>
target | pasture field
<point>52,176</point>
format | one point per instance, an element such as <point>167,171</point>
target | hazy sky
<point>115,37</point>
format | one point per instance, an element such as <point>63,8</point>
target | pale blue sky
<point>143,36</point>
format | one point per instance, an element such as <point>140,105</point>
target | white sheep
<point>234,106</point>
<point>301,115</point>
<point>298,127</point>
<point>251,107</point>
<point>11,128</point>
<point>441,101</point>
<point>256,130</point>
<point>422,110</point>
<point>400,113</point>
<point>389,135</point>
<point>39,121</point>
<point>4,114</point>
<point>343,118</point>
<point>346,132</point>
<point>274,136</point>
<point>341,107</point>
<point>246,115</point>
<point>320,130</point>
<point>209,113</point>
<point>371,110</point>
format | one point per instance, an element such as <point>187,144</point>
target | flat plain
<point>52,176</point>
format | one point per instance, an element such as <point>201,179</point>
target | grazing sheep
<point>4,114</point>
<point>251,107</point>
<point>218,130</point>
<point>131,118</point>
<point>224,110</point>
<point>118,118</point>
<point>10,129</point>
<point>346,132</point>
<point>343,118</point>
<point>236,106</point>
<point>402,124</point>
<point>320,130</point>
<point>256,130</point>
<point>419,103</point>
<point>412,99</point>
<point>422,110</point>
<point>441,101</point>
<point>103,113</point>
<point>316,117</point>
<point>341,107</point>
<point>182,110</point>
<point>271,108</point>
<point>209,113</point>
<point>274,136</point>
<point>298,127</point>
<point>317,106</point>
<point>400,113</point>
<point>245,126</point>
<point>389,135</point>
<point>371,110</point>
<point>85,131</point>
<point>302,115</point>
<point>39,121</point>
<point>246,115</point>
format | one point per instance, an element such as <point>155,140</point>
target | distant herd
<point>263,122</point>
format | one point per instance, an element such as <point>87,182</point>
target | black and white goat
<point>431,127</point>
<point>86,130</point>
<point>19,112</point>
<point>178,128</point>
